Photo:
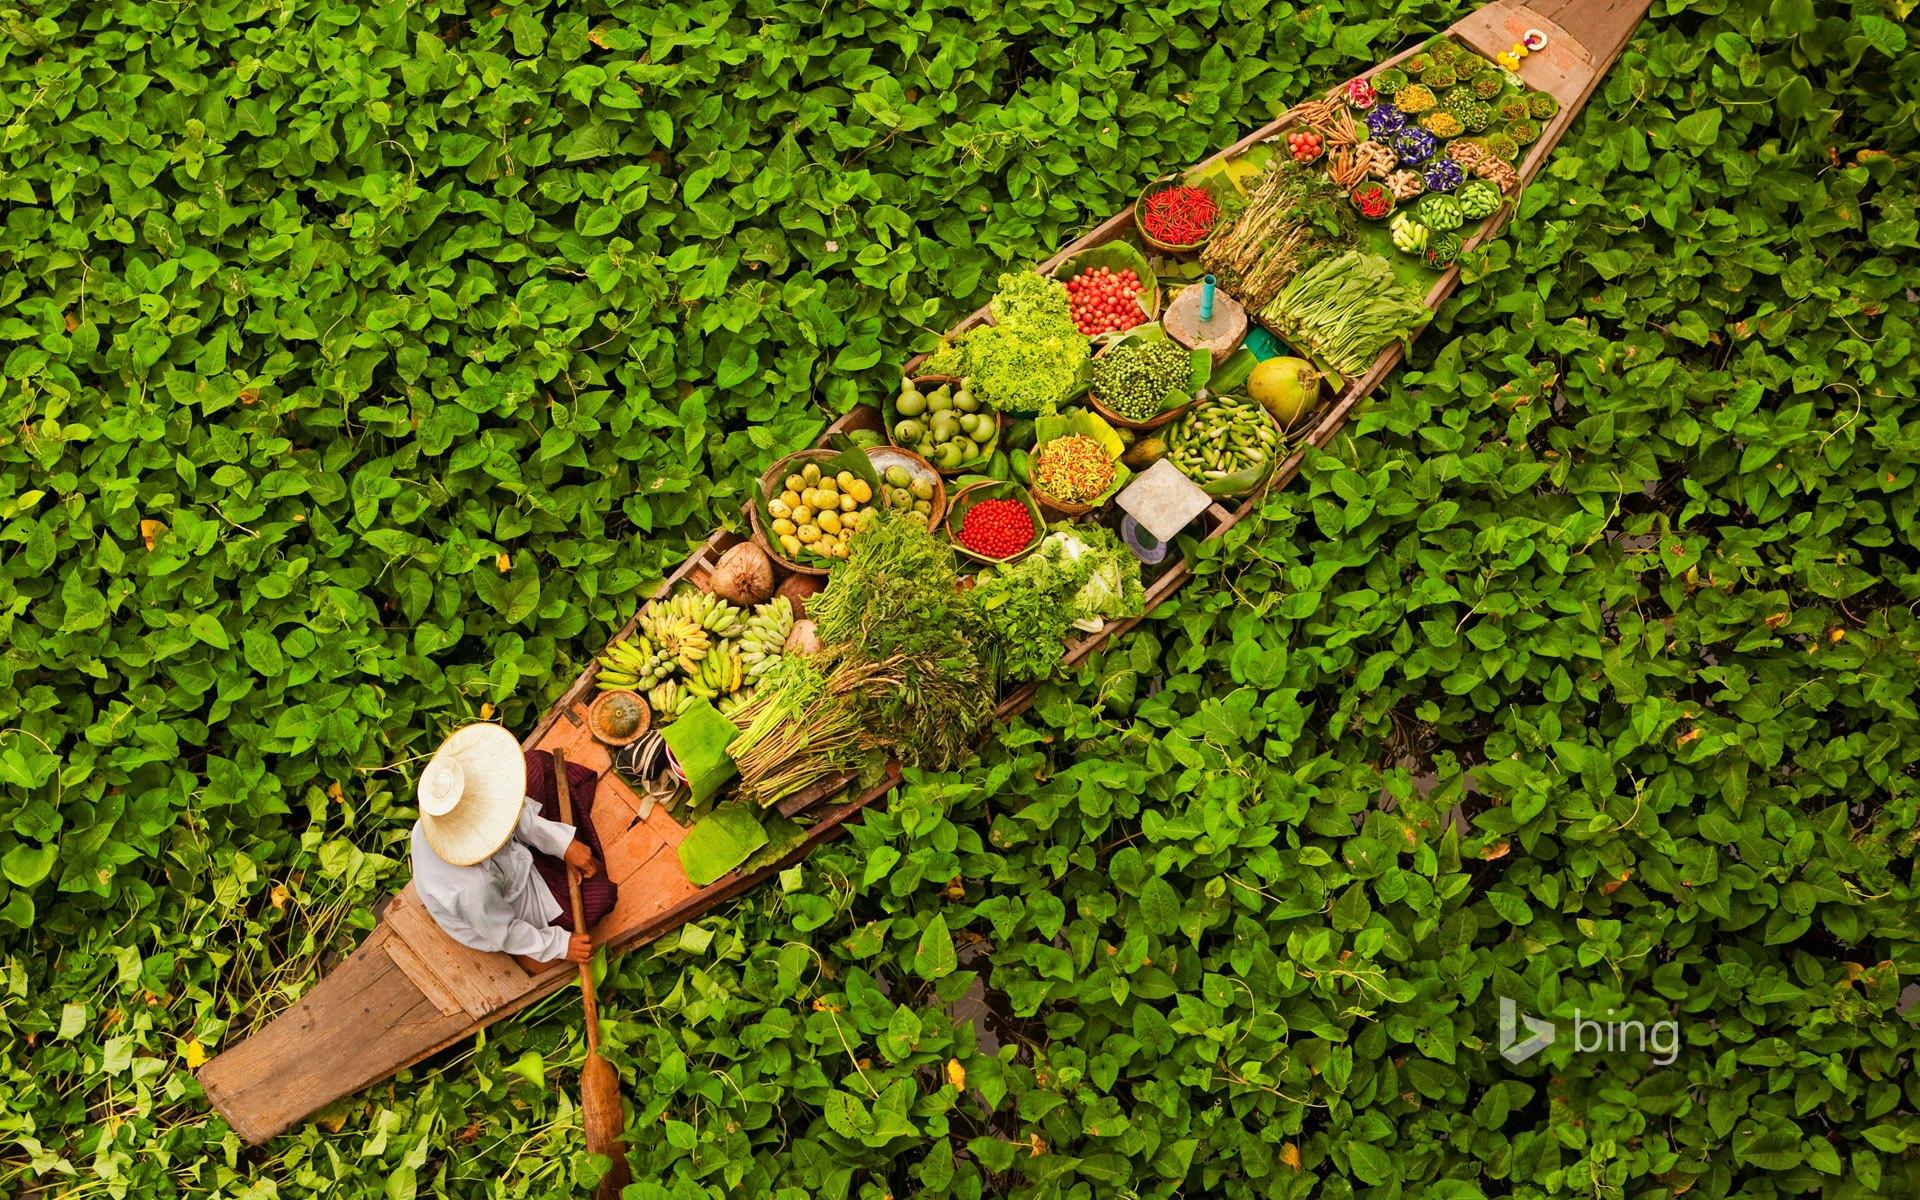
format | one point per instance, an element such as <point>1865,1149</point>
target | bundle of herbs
<point>1345,309</point>
<point>1293,216</point>
<point>894,611</point>
<point>1080,575</point>
<point>801,728</point>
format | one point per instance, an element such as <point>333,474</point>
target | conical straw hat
<point>471,794</point>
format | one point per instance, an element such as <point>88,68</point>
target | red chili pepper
<point>1180,215</point>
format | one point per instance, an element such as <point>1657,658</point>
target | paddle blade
<point>606,1122</point>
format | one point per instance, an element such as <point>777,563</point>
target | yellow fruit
<point>828,488</point>
<point>808,533</point>
<point>847,480</point>
<point>791,545</point>
<point>783,526</point>
<point>810,472</point>
<point>791,498</point>
<point>839,549</point>
<point>848,504</point>
<point>858,489</point>
<point>802,515</point>
<point>829,522</point>
<point>795,483</point>
<point>779,508</point>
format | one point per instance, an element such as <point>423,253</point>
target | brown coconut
<point>798,589</point>
<point>803,640</point>
<point>743,575</point>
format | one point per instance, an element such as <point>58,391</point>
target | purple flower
<point>1383,119</point>
<point>1444,175</point>
<point>1414,145</point>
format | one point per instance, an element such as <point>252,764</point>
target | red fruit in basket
<point>1305,146</point>
<point>1103,300</point>
<point>997,528</point>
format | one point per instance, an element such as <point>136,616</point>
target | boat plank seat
<point>478,980</point>
<point>301,1061</point>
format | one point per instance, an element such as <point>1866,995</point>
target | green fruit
<point>899,476</point>
<point>910,404</point>
<point>909,431</point>
<point>964,401</point>
<point>940,401</point>
<point>944,426</point>
<point>1286,387</point>
<point>950,456</point>
<point>969,449</point>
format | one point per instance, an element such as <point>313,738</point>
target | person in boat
<point>490,853</point>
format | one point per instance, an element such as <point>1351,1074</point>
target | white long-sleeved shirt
<point>499,903</point>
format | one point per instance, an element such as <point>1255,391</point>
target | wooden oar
<point>600,1108</point>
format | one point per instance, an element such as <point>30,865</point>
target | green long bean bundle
<point>1345,309</point>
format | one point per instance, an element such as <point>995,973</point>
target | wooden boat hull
<point>410,991</point>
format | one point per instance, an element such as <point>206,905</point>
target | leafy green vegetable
<point>894,604</point>
<point>1031,359</point>
<point>1078,574</point>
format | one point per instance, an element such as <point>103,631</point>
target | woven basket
<point>1139,213</point>
<point>595,711</point>
<point>762,536</point>
<point>1114,418</point>
<point>890,417</point>
<point>883,457</point>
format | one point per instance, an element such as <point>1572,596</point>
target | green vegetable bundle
<point>1346,309</point>
<point>894,603</point>
<point>1292,216</point>
<point>1081,573</point>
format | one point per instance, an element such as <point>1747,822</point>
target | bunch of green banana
<point>634,664</point>
<point>766,632</point>
<point>721,673</point>
<point>679,636</point>
<point>668,700</point>
<point>730,705</point>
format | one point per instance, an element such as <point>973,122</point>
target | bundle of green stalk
<point>801,728</point>
<point>895,601</point>
<point>899,671</point>
<point>1345,309</point>
<point>1293,216</point>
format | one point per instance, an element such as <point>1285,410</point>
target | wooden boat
<point>410,991</point>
